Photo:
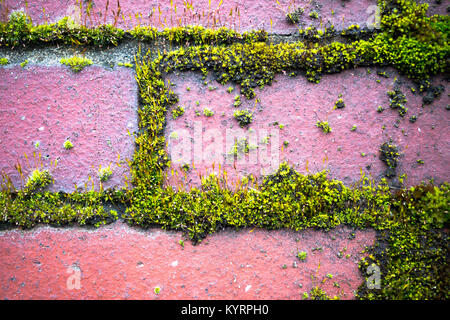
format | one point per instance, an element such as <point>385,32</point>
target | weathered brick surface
<point>246,15</point>
<point>118,262</point>
<point>298,105</point>
<point>47,105</point>
<point>253,14</point>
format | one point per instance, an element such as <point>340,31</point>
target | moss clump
<point>76,63</point>
<point>302,255</point>
<point>389,154</point>
<point>397,101</point>
<point>3,61</point>
<point>339,104</point>
<point>104,173</point>
<point>38,180</point>
<point>68,145</point>
<point>177,112</point>
<point>239,148</point>
<point>207,112</point>
<point>295,16</point>
<point>125,64</point>
<point>324,126</point>
<point>237,101</point>
<point>244,117</point>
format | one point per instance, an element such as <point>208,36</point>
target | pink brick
<point>119,262</point>
<point>93,109</point>
<point>253,14</point>
<point>298,105</point>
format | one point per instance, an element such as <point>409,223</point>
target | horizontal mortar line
<point>50,54</point>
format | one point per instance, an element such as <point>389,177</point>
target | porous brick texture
<point>42,107</point>
<point>120,262</point>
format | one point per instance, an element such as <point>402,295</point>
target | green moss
<point>397,101</point>
<point>125,64</point>
<point>244,117</point>
<point>177,112</point>
<point>104,173</point>
<point>38,180</point>
<point>76,63</point>
<point>68,145</point>
<point>207,112</point>
<point>339,104</point>
<point>302,255</point>
<point>389,154</point>
<point>324,126</point>
<point>3,61</point>
<point>295,16</point>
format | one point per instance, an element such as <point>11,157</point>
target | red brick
<point>93,109</point>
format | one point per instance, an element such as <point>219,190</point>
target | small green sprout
<point>177,112</point>
<point>294,16</point>
<point>237,101</point>
<point>3,61</point>
<point>314,15</point>
<point>363,154</point>
<point>281,126</point>
<point>240,147</point>
<point>244,117</point>
<point>353,128</point>
<point>125,64</point>
<point>68,145</point>
<point>185,167</point>
<point>285,143</point>
<point>188,88</point>
<point>324,126</point>
<point>181,243</point>
<point>339,104</point>
<point>230,89</point>
<point>104,173</point>
<point>76,63</point>
<point>380,109</point>
<point>23,64</point>
<point>265,140</point>
<point>197,103</point>
<point>37,144</point>
<point>207,112</point>
<point>302,255</point>
<point>420,161</point>
<point>157,290</point>
<point>329,276</point>
<point>38,179</point>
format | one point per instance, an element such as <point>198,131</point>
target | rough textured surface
<point>252,14</point>
<point>119,262</point>
<point>47,105</point>
<point>298,105</point>
<point>246,15</point>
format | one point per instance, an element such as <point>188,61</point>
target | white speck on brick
<point>247,288</point>
<point>174,264</point>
